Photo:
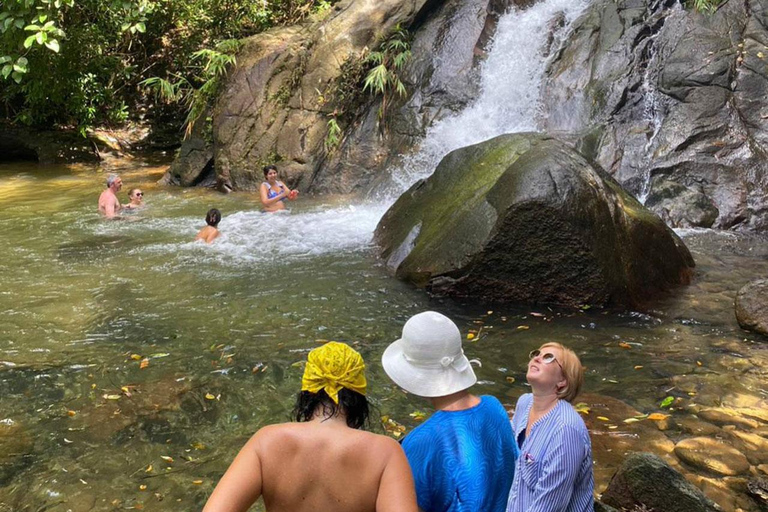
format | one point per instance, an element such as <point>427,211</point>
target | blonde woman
<point>554,470</point>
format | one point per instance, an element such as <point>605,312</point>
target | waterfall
<point>510,81</point>
<point>510,86</point>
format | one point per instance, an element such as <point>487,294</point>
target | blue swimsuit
<point>271,194</point>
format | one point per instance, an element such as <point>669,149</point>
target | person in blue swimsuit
<point>463,456</point>
<point>273,192</point>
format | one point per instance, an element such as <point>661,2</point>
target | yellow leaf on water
<point>418,415</point>
<point>149,469</point>
<point>71,413</point>
<point>698,363</point>
<point>638,367</point>
<point>167,459</point>
<point>631,420</point>
<point>135,357</point>
<point>470,336</point>
<point>603,418</point>
<point>210,396</point>
<point>582,407</point>
<point>657,416</point>
<point>510,379</point>
<point>490,312</point>
<point>198,446</point>
<point>612,426</point>
<point>144,363</point>
<point>624,345</point>
<point>111,397</point>
<point>142,487</point>
<point>523,327</point>
<point>197,482</point>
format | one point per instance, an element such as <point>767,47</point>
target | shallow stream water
<point>134,362</point>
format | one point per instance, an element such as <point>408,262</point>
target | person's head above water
<point>114,181</point>
<point>213,217</point>
<point>334,380</point>
<point>136,194</point>
<point>269,169</point>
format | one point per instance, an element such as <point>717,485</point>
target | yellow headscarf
<point>332,367</point>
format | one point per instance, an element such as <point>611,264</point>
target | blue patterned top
<point>463,461</point>
<point>554,470</point>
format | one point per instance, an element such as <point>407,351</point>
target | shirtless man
<point>322,462</point>
<point>109,205</point>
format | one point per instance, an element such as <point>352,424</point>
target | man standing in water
<point>323,461</point>
<point>109,205</point>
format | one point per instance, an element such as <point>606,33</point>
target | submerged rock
<point>711,455</point>
<point>524,218</point>
<point>16,447</point>
<point>727,416</point>
<point>646,480</point>
<point>752,306</point>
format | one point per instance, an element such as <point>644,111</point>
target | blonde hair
<point>573,372</point>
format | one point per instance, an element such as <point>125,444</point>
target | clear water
<point>79,296</point>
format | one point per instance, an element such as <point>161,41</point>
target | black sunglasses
<point>140,194</point>
<point>546,357</point>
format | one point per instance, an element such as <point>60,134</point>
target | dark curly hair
<point>352,404</point>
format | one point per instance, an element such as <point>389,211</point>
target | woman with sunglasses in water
<point>137,199</point>
<point>554,470</point>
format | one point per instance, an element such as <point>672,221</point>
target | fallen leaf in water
<point>613,426</point>
<point>149,469</point>
<point>144,363</point>
<point>71,413</point>
<point>68,441</point>
<point>631,420</point>
<point>297,364</point>
<point>93,386</point>
<point>470,336</point>
<point>142,487</point>
<point>537,314</point>
<point>667,402</point>
<point>503,319</point>
<point>698,363</point>
<point>418,415</point>
<point>197,482</point>
<point>198,446</point>
<point>523,327</point>
<point>582,407</point>
<point>510,379</point>
<point>167,459</point>
<point>639,367</point>
<point>658,416</point>
<point>603,418</point>
<point>135,357</point>
<point>159,355</point>
<point>490,312</point>
<point>624,345</point>
<point>210,396</point>
<point>111,397</point>
<point>139,506</point>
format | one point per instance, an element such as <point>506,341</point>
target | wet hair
<point>351,403</point>
<point>268,168</point>
<point>213,217</point>
<point>573,372</point>
<point>111,178</point>
<point>133,190</point>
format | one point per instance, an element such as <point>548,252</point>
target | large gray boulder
<point>524,218</point>
<point>646,480</point>
<point>671,102</point>
<point>752,306</point>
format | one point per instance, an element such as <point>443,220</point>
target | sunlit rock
<point>727,416</point>
<point>754,446</point>
<point>712,455</point>
<point>524,218</point>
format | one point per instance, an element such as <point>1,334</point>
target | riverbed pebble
<point>727,416</point>
<point>712,456</point>
<point>755,447</point>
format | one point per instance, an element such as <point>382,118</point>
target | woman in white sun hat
<point>463,456</point>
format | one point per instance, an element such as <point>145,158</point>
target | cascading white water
<point>508,102</point>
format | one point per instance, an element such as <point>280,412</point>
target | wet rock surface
<point>16,448</point>
<point>646,480</point>
<point>671,103</point>
<point>523,218</point>
<point>752,306</point>
<point>705,453</point>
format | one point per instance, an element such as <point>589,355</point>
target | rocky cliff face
<point>671,102</point>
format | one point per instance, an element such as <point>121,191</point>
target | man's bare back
<point>318,465</point>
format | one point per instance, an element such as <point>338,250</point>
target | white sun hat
<point>428,360</point>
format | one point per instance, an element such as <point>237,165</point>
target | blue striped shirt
<point>554,470</point>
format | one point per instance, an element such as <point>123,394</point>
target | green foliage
<point>706,6</point>
<point>384,79</point>
<point>83,62</point>
<point>333,137</point>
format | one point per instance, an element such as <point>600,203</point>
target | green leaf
<point>8,22</point>
<point>4,15</point>
<point>667,402</point>
<point>18,23</point>
<point>5,58</point>
<point>40,37</point>
<point>42,17</point>
<point>141,27</point>
<point>33,28</point>
<point>53,44</point>
<point>19,69</point>
<point>16,77</point>
<point>29,41</point>
<point>7,70</point>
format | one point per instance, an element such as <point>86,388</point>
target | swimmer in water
<point>137,199</point>
<point>210,232</point>
<point>273,192</point>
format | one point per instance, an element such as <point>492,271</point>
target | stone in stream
<point>711,455</point>
<point>15,450</point>
<point>755,446</point>
<point>727,416</point>
<point>645,480</point>
<point>752,306</point>
<point>524,218</point>
<point>757,488</point>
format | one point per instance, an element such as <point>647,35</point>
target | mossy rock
<point>524,218</point>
